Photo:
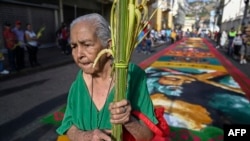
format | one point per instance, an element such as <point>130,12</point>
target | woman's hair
<point>102,27</point>
<point>27,24</point>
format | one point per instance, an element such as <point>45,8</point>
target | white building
<point>180,7</point>
<point>233,13</point>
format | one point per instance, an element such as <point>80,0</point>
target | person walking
<point>187,33</point>
<point>173,36</point>
<point>20,45</point>
<point>243,54</point>
<point>223,39</point>
<point>2,70</point>
<point>217,38</point>
<point>32,45</point>
<point>243,49</point>
<point>141,40</point>
<point>10,42</point>
<point>64,39</point>
<point>168,35</point>
<point>231,34</point>
<point>59,36</point>
<point>148,43</point>
<point>152,35</point>
<point>236,45</point>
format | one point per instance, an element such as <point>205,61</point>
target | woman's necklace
<point>99,120</point>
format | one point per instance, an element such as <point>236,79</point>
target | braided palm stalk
<point>128,18</point>
<point>126,23</point>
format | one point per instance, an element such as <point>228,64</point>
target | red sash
<point>161,130</point>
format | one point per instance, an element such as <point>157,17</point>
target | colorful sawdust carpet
<point>199,89</point>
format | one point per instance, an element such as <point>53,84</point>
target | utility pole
<point>245,12</point>
<point>220,13</point>
<point>61,10</point>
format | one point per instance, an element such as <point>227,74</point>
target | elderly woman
<point>90,110</point>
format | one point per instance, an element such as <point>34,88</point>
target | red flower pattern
<point>58,116</point>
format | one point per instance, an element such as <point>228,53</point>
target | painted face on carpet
<point>195,93</point>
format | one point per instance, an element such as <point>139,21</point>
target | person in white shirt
<point>223,39</point>
<point>236,45</point>
<point>32,45</point>
<point>163,34</point>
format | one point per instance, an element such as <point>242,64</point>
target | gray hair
<point>102,27</point>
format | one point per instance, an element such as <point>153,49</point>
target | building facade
<point>51,14</point>
<point>233,14</point>
<point>48,13</point>
<point>169,13</point>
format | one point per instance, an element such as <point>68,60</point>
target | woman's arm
<point>138,130</point>
<point>121,114</point>
<point>74,134</point>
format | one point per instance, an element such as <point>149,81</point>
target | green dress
<point>82,112</point>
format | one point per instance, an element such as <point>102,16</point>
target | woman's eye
<point>87,45</point>
<point>73,46</point>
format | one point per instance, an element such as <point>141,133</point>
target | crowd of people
<point>16,41</point>
<point>235,42</point>
<point>150,37</point>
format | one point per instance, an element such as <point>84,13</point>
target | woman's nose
<point>80,52</point>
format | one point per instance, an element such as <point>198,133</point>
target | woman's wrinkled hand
<point>101,135</point>
<point>120,112</point>
<point>95,135</point>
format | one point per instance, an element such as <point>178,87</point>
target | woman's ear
<point>109,43</point>
<point>109,47</point>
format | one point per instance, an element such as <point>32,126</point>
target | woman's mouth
<point>86,64</point>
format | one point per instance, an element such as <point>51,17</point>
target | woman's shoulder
<point>133,66</point>
<point>134,69</point>
<point>78,80</point>
<point>78,77</point>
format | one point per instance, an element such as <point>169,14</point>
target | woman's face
<point>29,27</point>
<point>85,46</point>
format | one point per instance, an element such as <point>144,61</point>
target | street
<point>25,100</point>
